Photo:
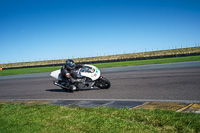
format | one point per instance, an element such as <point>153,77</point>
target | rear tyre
<point>103,83</point>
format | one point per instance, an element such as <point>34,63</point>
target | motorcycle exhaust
<point>55,83</point>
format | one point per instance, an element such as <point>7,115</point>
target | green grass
<point>28,70</point>
<point>103,65</point>
<point>51,119</point>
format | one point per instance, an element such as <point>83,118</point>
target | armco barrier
<point>107,61</point>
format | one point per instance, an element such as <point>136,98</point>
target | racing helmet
<point>70,63</point>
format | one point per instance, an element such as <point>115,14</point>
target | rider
<point>67,77</point>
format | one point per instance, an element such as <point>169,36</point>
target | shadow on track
<point>69,91</point>
<point>59,90</point>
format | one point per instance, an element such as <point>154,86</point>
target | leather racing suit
<point>67,76</point>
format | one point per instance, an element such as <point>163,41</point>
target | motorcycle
<point>89,74</point>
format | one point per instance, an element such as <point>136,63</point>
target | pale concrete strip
<point>32,75</point>
<point>90,103</point>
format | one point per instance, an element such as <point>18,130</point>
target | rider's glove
<point>67,75</point>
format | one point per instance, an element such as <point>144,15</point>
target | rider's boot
<point>72,87</point>
<point>61,82</point>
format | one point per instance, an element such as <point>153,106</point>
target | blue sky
<point>33,30</point>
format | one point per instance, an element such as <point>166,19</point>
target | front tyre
<point>103,83</point>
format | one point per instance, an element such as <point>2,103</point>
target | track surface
<point>172,81</point>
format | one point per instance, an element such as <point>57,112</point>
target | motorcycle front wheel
<point>103,83</point>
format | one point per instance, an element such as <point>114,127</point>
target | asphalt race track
<point>162,82</point>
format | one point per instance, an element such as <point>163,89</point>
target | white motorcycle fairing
<point>89,71</point>
<point>55,74</point>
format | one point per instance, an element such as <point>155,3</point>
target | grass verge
<point>47,118</point>
<point>148,62</point>
<point>103,65</point>
<point>28,70</point>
